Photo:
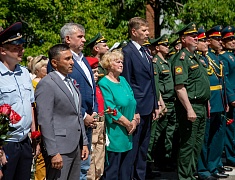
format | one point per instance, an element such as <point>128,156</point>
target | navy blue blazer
<point>139,74</point>
<point>89,102</point>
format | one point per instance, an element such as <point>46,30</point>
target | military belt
<point>214,88</point>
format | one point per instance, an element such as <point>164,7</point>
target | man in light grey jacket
<point>59,115</point>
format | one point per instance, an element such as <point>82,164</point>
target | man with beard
<point>193,92</point>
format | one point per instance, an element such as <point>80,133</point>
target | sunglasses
<point>42,58</point>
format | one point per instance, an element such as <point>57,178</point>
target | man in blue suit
<point>138,71</point>
<point>73,35</point>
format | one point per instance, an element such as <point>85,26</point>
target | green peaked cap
<point>95,40</point>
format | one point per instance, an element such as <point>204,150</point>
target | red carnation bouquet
<point>107,111</point>
<point>7,116</point>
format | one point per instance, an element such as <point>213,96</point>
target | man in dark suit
<point>138,71</point>
<point>59,116</point>
<point>73,35</point>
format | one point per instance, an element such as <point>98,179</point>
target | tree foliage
<point>42,19</point>
<point>209,13</point>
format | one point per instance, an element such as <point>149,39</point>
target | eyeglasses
<point>118,61</point>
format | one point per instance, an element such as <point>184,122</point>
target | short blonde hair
<point>108,57</point>
<point>35,63</point>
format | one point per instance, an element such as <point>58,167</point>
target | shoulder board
<point>212,50</point>
<point>222,52</point>
<point>231,57</point>
<point>182,56</point>
<point>154,60</point>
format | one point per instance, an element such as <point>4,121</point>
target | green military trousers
<point>164,127</point>
<point>191,139</point>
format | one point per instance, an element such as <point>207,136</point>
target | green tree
<point>208,13</point>
<point>42,19</point>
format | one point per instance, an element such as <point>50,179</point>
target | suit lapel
<point>78,67</point>
<point>55,77</point>
<point>139,57</point>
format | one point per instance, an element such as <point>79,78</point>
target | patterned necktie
<point>75,94</point>
<point>144,55</point>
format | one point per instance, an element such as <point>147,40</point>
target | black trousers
<point>19,160</point>
<point>116,166</point>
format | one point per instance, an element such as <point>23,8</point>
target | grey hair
<point>68,29</point>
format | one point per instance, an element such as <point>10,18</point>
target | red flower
<point>109,110</point>
<point>229,121</point>
<point>114,112</point>
<point>5,109</point>
<point>14,117</point>
<point>35,134</point>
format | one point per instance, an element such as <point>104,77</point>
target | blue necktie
<point>144,54</point>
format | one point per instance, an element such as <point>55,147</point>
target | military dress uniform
<point>165,126</point>
<point>173,51</point>
<point>212,148</point>
<point>189,71</point>
<point>150,154</point>
<point>228,59</point>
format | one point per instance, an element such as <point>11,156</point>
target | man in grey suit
<point>59,116</point>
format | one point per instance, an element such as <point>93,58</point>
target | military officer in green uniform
<point>228,58</point>
<point>98,48</point>
<point>193,92</point>
<point>165,126</point>
<point>212,148</point>
<point>176,44</point>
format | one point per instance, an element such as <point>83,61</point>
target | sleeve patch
<point>178,70</point>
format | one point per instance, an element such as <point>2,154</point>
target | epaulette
<point>199,52</point>
<point>222,52</point>
<point>231,58</point>
<point>100,75</point>
<point>182,56</point>
<point>171,53</point>
<point>212,50</point>
<point>154,60</point>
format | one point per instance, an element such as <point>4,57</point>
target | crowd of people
<point>120,113</point>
